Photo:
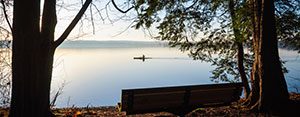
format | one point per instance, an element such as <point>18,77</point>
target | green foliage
<point>210,30</point>
<point>288,23</point>
<point>227,68</point>
<point>202,27</point>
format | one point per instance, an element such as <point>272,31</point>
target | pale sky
<point>104,29</point>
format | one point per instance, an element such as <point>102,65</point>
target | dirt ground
<point>112,111</point>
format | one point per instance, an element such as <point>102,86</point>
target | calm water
<point>94,75</point>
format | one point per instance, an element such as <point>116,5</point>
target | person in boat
<point>143,57</point>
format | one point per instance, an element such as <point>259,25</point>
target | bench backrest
<point>172,99</point>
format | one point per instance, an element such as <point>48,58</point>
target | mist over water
<point>96,72</point>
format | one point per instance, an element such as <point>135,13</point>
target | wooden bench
<point>178,100</point>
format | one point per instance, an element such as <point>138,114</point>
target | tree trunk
<point>32,61</point>
<point>240,49</point>
<point>32,58</point>
<point>242,69</point>
<point>31,82</point>
<point>269,92</point>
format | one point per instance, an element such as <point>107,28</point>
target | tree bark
<point>269,92</point>
<point>32,61</point>
<point>242,70</point>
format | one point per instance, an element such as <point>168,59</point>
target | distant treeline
<point>112,44</point>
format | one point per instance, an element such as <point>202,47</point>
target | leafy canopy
<point>202,27</point>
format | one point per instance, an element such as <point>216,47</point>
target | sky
<point>109,24</point>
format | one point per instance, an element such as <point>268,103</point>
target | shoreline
<point>109,111</point>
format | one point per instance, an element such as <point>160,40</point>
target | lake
<point>94,72</point>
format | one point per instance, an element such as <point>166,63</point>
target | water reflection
<point>96,76</point>
<point>292,62</point>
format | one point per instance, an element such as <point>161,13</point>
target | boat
<point>143,57</point>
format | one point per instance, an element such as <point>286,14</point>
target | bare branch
<point>5,15</point>
<point>72,24</point>
<point>2,28</point>
<point>99,12</point>
<point>92,19</point>
<point>115,5</point>
<point>106,11</point>
<point>130,25</point>
<point>57,94</point>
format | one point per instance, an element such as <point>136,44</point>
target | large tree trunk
<point>240,48</point>
<point>32,58</point>
<point>269,93</point>
<point>32,71</point>
<point>31,62</point>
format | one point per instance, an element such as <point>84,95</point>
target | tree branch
<point>191,5</point>
<point>115,5</point>
<point>5,15</point>
<point>92,19</point>
<point>7,31</point>
<point>72,24</point>
<point>276,10</point>
<point>99,12</point>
